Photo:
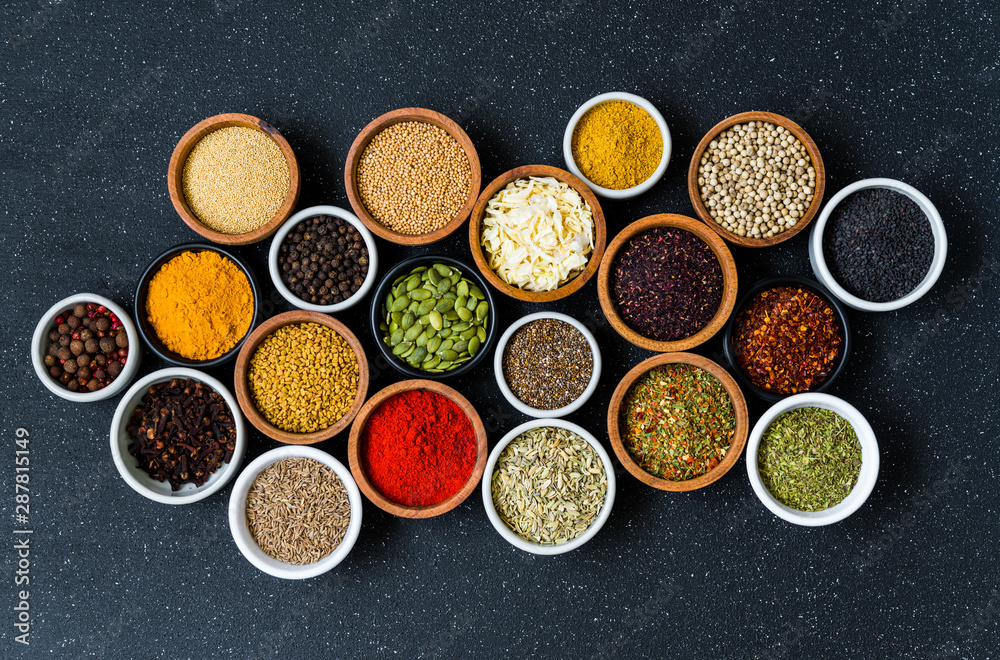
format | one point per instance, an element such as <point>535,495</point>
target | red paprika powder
<point>418,448</point>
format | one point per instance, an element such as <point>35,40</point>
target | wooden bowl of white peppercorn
<point>794,203</point>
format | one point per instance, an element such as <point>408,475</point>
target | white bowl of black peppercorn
<point>326,267</point>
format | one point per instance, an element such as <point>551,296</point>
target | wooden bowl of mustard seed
<point>233,179</point>
<point>494,235</point>
<point>412,176</point>
<point>756,179</point>
<point>667,283</point>
<point>301,377</point>
<point>688,444</point>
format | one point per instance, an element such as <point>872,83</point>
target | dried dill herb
<point>809,458</point>
<point>677,422</point>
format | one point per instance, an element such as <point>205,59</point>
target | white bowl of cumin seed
<point>279,529</point>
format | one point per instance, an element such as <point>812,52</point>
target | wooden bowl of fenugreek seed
<point>548,487</point>
<point>412,176</point>
<point>233,179</point>
<point>678,421</point>
<point>301,377</point>
<point>756,179</point>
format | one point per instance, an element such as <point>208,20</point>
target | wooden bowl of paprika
<point>797,342</point>
<point>698,386</point>
<point>248,399</point>
<point>685,302</point>
<point>394,456</point>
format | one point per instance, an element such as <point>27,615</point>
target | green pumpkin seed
<point>460,346</point>
<point>401,347</point>
<point>413,333</point>
<point>383,327</point>
<point>409,318</point>
<point>431,362</point>
<point>435,319</point>
<point>421,339</point>
<point>417,356</point>
<point>474,345</point>
<point>396,337</point>
<point>451,316</point>
<point>445,345</point>
<point>463,288</point>
<point>425,307</point>
<point>434,276</point>
<point>419,269</point>
<point>430,332</point>
<point>444,270</point>
<point>393,327</point>
<point>447,354</point>
<point>443,286</point>
<point>461,300</point>
<point>477,293</point>
<point>412,282</point>
<point>433,344</point>
<point>463,313</point>
<point>400,303</point>
<point>443,365</point>
<point>396,317</point>
<point>449,295</point>
<point>461,327</point>
<point>444,305</point>
<point>468,334</point>
<point>481,333</point>
<point>482,309</point>
<point>471,304</point>
<point>445,333</point>
<point>420,294</point>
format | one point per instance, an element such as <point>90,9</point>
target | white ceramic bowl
<point>238,517</point>
<point>657,174</point>
<point>556,412</point>
<point>869,460</point>
<point>506,531</point>
<point>136,477</point>
<point>823,273</point>
<point>311,212</point>
<point>40,345</point>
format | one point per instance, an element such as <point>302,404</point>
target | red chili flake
<point>787,340</point>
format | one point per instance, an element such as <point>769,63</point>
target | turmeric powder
<point>617,145</point>
<point>200,304</point>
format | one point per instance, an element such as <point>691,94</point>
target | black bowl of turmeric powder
<point>196,304</point>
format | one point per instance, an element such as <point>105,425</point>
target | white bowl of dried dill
<point>295,512</point>
<point>548,487</point>
<point>812,459</point>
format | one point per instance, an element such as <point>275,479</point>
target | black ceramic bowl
<point>796,282</point>
<point>146,330</point>
<point>377,315</point>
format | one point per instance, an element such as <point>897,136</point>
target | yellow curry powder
<point>200,304</point>
<point>617,145</point>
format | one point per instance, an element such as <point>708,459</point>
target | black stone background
<point>93,98</point>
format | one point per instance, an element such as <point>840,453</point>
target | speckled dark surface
<point>93,98</point>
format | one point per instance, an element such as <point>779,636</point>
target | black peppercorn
<point>324,260</point>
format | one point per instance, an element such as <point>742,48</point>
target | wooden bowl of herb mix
<point>511,227</point>
<point>233,179</point>
<point>554,471</point>
<point>412,176</point>
<point>196,304</point>
<point>812,459</point>
<point>678,421</point>
<point>756,179</point>
<point>295,512</point>
<point>667,283</point>
<point>547,364</point>
<point>301,377</point>
<point>878,245</point>
<point>417,449</point>
<point>433,316</point>
<point>788,335</point>
<point>618,143</point>
<point>165,449</point>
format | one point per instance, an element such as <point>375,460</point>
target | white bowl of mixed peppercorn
<point>547,364</point>
<point>812,459</point>
<point>878,245</point>
<point>323,259</point>
<point>85,348</point>
<point>177,436</point>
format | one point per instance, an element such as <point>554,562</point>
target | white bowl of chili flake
<point>812,459</point>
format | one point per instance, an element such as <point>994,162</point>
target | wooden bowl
<point>739,434</point>
<point>245,398</point>
<point>366,486</point>
<point>797,131</point>
<point>719,249</point>
<point>375,127</point>
<point>175,174</point>
<point>476,228</point>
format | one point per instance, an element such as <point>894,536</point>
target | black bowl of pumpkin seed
<point>433,317</point>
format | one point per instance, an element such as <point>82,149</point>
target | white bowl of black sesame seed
<point>547,364</point>
<point>323,259</point>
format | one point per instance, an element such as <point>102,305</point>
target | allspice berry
<point>50,360</point>
<point>107,345</point>
<point>91,345</point>
<point>76,347</point>
<point>93,385</point>
<point>83,360</point>
<point>104,324</point>
<point>73,322</point>
<point>64,353</point>
<point>121,339</point>
<point>70,367</point>
<point>83,346</point>
<point>55,371</point>
<point>80,310</point>
<point>114,369</point>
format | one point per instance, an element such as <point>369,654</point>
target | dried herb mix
<point>549,485</point>
<point>677,421</point>
<point>787,340</point>
<point>879,244</point>
<point>809,458</point>
<point>181,432</point>
<point>547,364</point>
<point>298,510</point>
<point>666,283</point>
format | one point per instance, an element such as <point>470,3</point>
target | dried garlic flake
<point>538,233</point>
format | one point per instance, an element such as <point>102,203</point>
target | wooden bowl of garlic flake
<point>537,233</point>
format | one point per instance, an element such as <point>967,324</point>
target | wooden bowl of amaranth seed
<point>719,250</point>
<point>737,442</point>
<point>246,397</point>
<point>804,215</point>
